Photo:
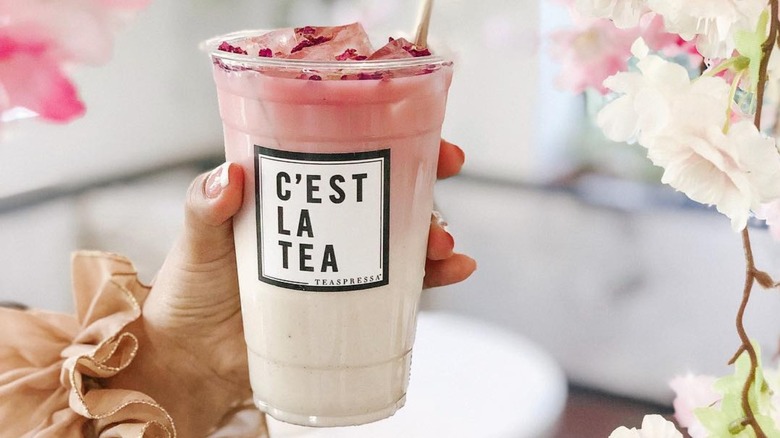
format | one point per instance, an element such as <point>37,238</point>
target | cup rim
<point>211,47</point>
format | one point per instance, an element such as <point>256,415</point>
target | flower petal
<point>31,79</point>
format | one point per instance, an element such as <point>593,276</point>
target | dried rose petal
<point>342,43</point>
<point>366,76</point>
<point>351,55</point>
<point>300,46</point>
<point>417,51</point>
<point>310,42</point>
<point>226,47</point>
<point>307,30</point>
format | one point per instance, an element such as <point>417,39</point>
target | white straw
<point>423,22</point>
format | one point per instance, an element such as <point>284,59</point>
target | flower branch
<point>766,48</point>
<point>704,129</point>
<point>751,273</point>
<point>747,346</point>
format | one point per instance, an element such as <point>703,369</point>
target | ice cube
<point>398,49</point>
<point>328,43</point>
<point>280,42</point>
<point>393,50</point>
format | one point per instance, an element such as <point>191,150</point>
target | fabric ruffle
<point>52,365</point>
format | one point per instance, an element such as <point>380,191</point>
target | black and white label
<point>323,219</point>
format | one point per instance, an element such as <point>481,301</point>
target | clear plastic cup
<point>332,235</point>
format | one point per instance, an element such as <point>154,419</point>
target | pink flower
<point>693,392</point>
<point>39,38</point>
<point>31,78</point>
<point>590,54</point>
<point>597,50</point>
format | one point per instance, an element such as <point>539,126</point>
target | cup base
<point>325,421</point>
<point>329,397</point>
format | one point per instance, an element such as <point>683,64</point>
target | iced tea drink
<point>339,144</point>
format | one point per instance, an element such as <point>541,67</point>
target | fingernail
<point>217,180</point>
<point>440,221</point>
<point>461,153</point>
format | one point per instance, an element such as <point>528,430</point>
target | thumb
<point>198,278</point>
<point>212,200</point>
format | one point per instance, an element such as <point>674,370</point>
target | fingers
<point>444,266</point>
<point>451,159</point>
<point>197,285</point>
<point>213,198</point>
<point>451,270</point>
<point>440,241</point>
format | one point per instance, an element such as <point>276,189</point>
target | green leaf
<point>749,44</point>
<point>726,419</point>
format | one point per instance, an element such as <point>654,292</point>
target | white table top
<point>469,379</point>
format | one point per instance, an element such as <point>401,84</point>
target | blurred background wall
<point>621,281</point>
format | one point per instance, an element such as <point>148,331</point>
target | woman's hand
<point>444,266</point>
<point>192,358</point>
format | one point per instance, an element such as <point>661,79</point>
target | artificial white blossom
<point>653,426</point>
<point>681,123</point>
<point>658,95</point>
<point>624,13</point>
<point>712,23</point>
<point>735,171</point>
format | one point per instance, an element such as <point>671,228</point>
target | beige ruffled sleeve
<point>52,365</point>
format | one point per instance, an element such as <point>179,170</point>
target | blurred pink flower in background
<point>596,50</point>
<point>32,78</point>
<point>591,53</point>
<point>40,39</point>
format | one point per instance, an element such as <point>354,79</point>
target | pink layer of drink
<point>328,358</point>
